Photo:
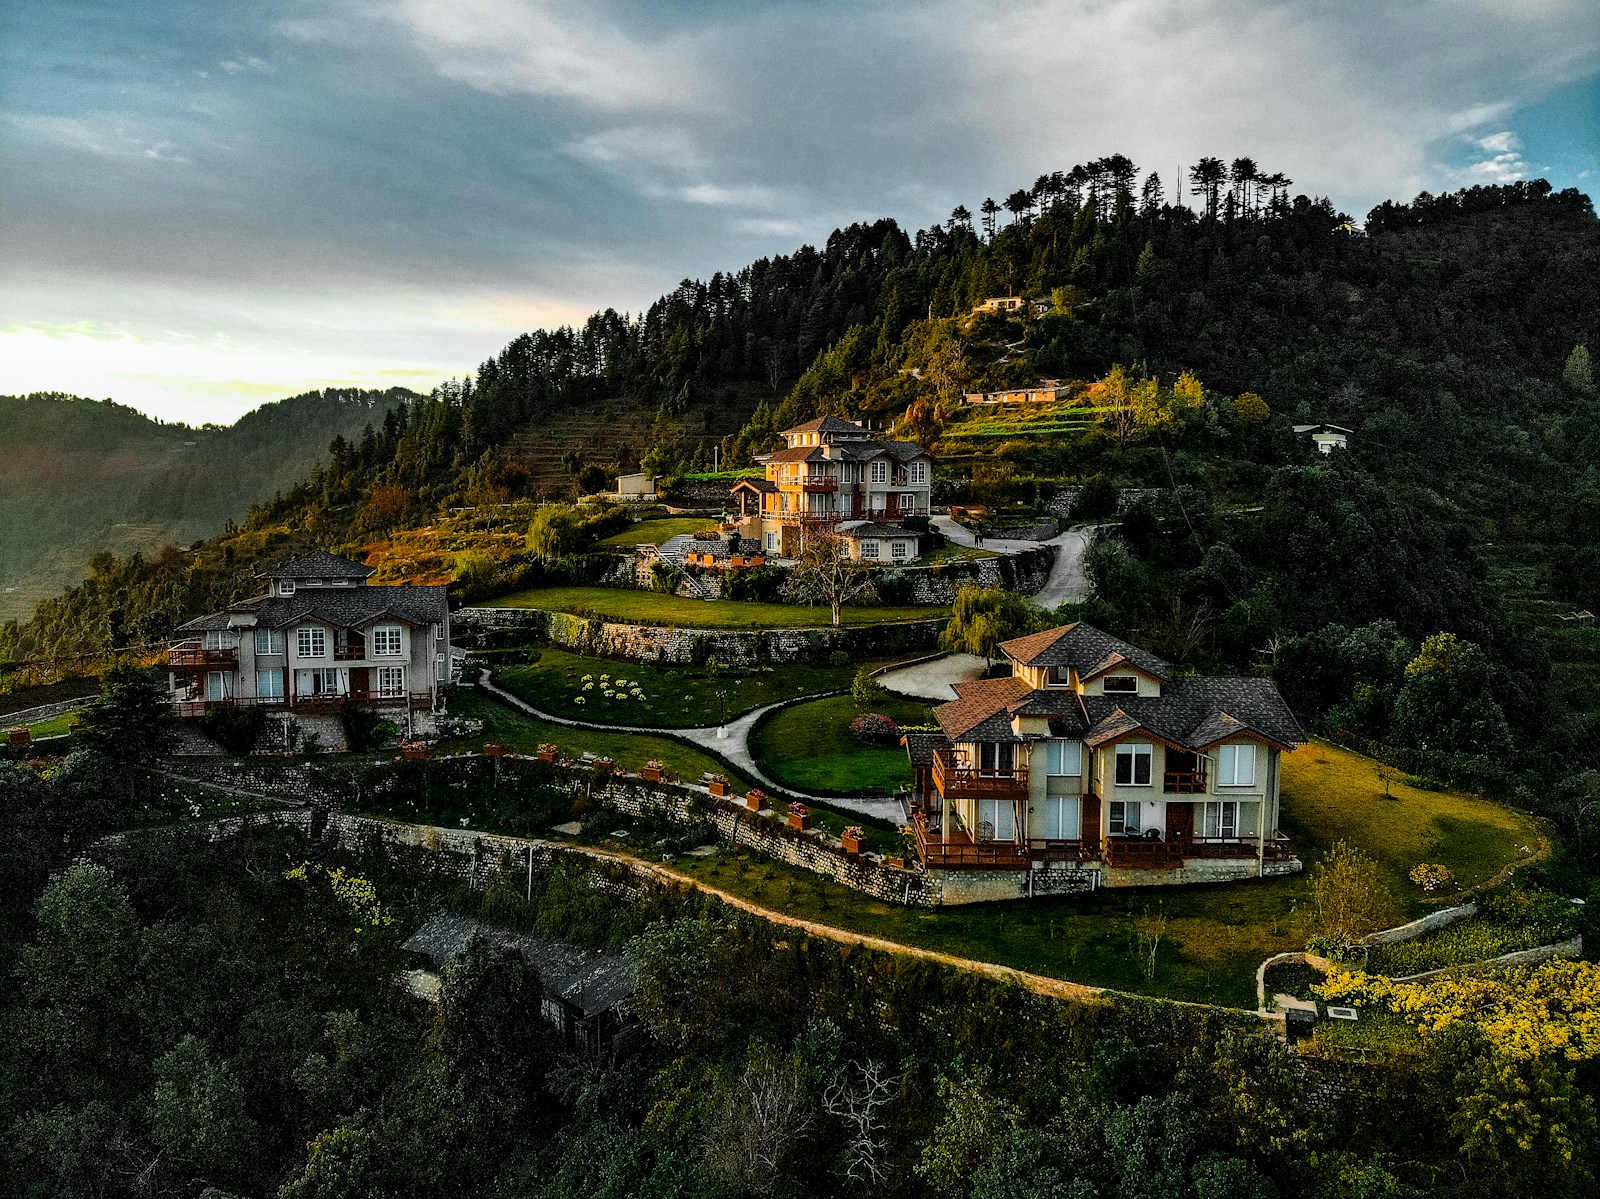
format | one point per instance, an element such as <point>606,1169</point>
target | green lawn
<point>810,747</point>
<point>654,532</point>
<point>1332,794</point>
<point>649,607</point>
<point>53,727</point>
<point>674,696</point>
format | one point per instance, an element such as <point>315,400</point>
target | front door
<point>358,682</point>
<point>1180,822</point>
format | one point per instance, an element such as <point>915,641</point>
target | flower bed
<point>1508,923</point>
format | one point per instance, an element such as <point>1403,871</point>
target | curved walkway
<point>730,741</point>
<point>935,679</point>
<point>1068,583</point>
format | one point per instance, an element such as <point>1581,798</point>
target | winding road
<point>1068,582</point>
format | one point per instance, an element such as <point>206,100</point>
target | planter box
<point>494,751</point>
<point>717,788</point>
<point>19,736</point>
<point>799,823</point>
<point>546,755</point>
<point>604,766</point>
<point>852,845</point>
<point>414,755</point>
<point>651,774</point>
<point>756,803</point>
<point>895,863</point>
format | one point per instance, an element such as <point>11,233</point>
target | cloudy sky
<point>207,205</point>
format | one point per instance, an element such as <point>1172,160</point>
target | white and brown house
<point>1094,755</point>
<point>834,474</point>
<point>319,637</point>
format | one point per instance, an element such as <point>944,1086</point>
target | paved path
<point>730,741</point>
<point>932,680</point>
<point>1067,582</point>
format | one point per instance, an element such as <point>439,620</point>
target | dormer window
<point>1120,684</point>
<point>1060,676</point>
<point>285,586</point>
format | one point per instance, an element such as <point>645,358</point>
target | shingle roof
<point>755,484</point>
<point>1084,648</point>
<point>863,451</point>
<point>342,607</point>
<point>979,711</point>
<point>920,746</point>
<point>799,453</point>
<point>591,980</point>
<point>318,564</point>
<point>1196,713</point>
<point>855,530</point>
<point>826,424</point>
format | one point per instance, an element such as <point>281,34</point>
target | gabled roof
<point>857,529</point>
<point>826,424</point>
<point>979,711</point>
<point>341,607</point>
<point>1323,429</point>
<point>1084,648</point>
<point>318,564</point>
<point>1197,713</point>
<point>799,453</point>
<point>920,747</point>
<point>591,980</point>
<point>864,451</point>
<point>755,485</point>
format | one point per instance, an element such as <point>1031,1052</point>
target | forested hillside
<point>81,477</point>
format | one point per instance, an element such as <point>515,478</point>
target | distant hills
<point>80,477</point>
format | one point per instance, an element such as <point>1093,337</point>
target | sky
<point>205,206</point>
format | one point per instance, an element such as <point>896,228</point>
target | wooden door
<point>1180,823</point>
<point>358,682</point>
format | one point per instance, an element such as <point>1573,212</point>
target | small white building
<point>1326,437</point>
<point>636,487</point>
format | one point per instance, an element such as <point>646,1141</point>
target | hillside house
<point>834,474</point>
<point>1010,304</point>
<point>636,487</point>
<point>1326,438</point>
<point>1045,391</point>
<point>1093,753</point>
<point>319,637</point>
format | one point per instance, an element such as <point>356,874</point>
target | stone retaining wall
<point>688,646</point>
<point>1025,573</point>
<point>1432,922</point>
<point>1061,503</point>
<point>1571,948</point>
<point>42,712</point>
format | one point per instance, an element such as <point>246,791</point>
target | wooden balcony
<point>953,780</point>
<point>1140,853</point>
<point>200,707</point>
<point>819,485</point>
<point>355,651</point>
<point>958,850</point>
<point>190,655</point>
<point>1184,782</point>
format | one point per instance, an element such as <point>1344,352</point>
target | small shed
<point>636,487</point>
<point>1327,438</point>
<point>584,988</point>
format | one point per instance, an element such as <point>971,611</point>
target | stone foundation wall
<point>1025,573</point>
<point>42,712</point>
<point>990,886</point>
<point>1200,870</point>
<point>1061,503</point>
<point>687,646</point>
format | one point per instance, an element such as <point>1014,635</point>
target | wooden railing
<point>191,655</point>
<point>819,483</point>
<point>199,707</point>
<point>959,851</point>
<point>353,652</point>
<point>956,781</point>
<point>1184,782</point>
<point>1139,853</point>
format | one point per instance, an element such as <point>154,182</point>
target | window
<point>869,549</point>
<point>219,684</point>
<point>880,471</point>
<point>919,473</point>
<point>997,820</point>
<point>269,641</point>
<point>772,541</point>
<point>1123,818</point>
<point>1064,758</point>
<point>899,549</point>
<point>285,586</point>
<point>996,757</point>
<point>1133,765</point>
<point>1062,818</point>
<point>311,643</point>
<point>214,639</point>
<point>441,669</point>
<point>1061,676</point>
<point>391,681</point>
<point>320,682</point>
<point>1221,819</point>
<point>386,641</point>
<point>908,502</point>
<point>1236,766</point>
<point>269,683</point>
<point>1120,684</point>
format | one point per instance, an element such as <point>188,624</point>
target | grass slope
<point>654,532</point>
<point>648,607</point>
<point>810,747</point>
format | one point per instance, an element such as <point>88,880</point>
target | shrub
<point>1424,782</point>
<point>865,691</point>
<point>1431,876</point>
<point>235,729</point>
<point>838,658</point>
<point>874,729</point>
<point>364,729</point>
<point>759,584</point>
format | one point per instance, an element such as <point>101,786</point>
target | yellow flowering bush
<point>355,894</point>
<point>1526,1013</point>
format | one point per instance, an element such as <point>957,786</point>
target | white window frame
<point>899,549</point>
<point>1134,753</point>
<point>391,682</point>
<point>324,680</point>
<point>1220,819</point>
<point>1059,676</point>
<point>1001,816</point>
<point>219,685</point>
<point>908,502</point>
<point>269,684</point>
<point>285,586</point>
<point>380,636</point>
<point>1059,762</point>
<point>869,548</point>
<point>1121,688</point>
<point>919,473</point>
<point>441,668</point>
<point>1236,765</point>
<point>269,641</point>
<point>311,641</point>
<point>1117,813</point>
<point>880,471</point>
<point>1063,818</point>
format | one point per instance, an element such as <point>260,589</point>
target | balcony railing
<point>1143,853</point>
<point>191,655</point>
<point>819,483</point>
<point>353,652</point>
<point>1184,782</point>
<point>956,780</point>
<point>960,851</point>
<point>199,707</point>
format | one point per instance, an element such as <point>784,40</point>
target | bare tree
<point>856,1094</point>
<point>826,575</point>
<point>761,1120</point>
